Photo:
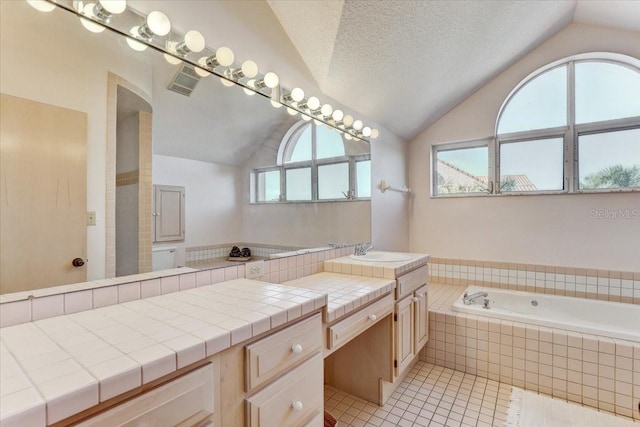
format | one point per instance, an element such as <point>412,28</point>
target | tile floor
<point>430,395</point>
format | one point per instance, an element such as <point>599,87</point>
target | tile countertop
<point>57,367</point>
<point>387,270</point>
<point>346,292</point>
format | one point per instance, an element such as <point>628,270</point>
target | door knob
<point>78,262</point>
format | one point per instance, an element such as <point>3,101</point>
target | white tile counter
<point>387,270</point>
<point>346,293</point>
<point>57,367</point>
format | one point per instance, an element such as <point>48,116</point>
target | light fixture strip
<point>122,23</point>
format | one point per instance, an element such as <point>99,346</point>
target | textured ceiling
<point>406,63</point>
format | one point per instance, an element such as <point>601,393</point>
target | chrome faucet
<point>470,299</point>
<point>362,248</point>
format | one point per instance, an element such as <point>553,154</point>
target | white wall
<point>213,213</point>
<point>50,58</point>
<point>551,230</point>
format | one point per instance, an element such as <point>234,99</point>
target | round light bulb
<point>291,111</point>
<point>225,56</point>
<point>374,133</point>
<point>194,41</point>
<point>366,131</point>
<point>337,115</point>
<point>114,7</point>
<point>172,59</point>
<point>271,80</point>
<point>313,103</point>
<point>134,44</point>
<point>348,120</point>
<point>86,23</point>
<point>357,125</point>
<point>252,84</point>
<point>297,94</point>
<point>348,136</point>
<point>305,117</point>
<point>276,104</point>
<point>249,69</point>
<point>199,71</point>
<point>158,23</point>
<point>227,83</point>
<point>41,5</point>
<point>326,110</point>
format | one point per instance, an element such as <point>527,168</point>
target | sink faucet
<point>362,248</point>
<point>470,299</point>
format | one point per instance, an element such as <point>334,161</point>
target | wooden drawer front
<point>278,353</point>
<point>421,314</point>
<point>411,281</point>
<point>292,400</point>
<point>185,401</point>
<point>317,421</point>
<point>345,330</point>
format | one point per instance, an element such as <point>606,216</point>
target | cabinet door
<point>168,213</point>
<point>404,333</point>
<point>421,317</point>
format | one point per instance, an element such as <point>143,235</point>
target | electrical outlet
<point>254,270</point>
<point>91,218</point>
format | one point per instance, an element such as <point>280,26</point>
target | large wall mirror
<point>91,131</point>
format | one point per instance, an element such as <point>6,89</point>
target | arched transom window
<point>315,163</point>
<point>571,126</point>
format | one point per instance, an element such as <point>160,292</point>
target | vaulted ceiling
<point>400,63</point>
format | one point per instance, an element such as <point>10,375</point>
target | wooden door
<point>43,180</point>
<point>169,213</point>
<point>421,328</point>
<point>404,333</point>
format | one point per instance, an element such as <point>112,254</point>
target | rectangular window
<point>534,165</point>
<point>609,160</point>
<point>363,179</point>
<point>268,186</point>
<point>461,170</point>
<point>333,181</point>
<point>298,184</point>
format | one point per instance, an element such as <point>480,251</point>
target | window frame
<point>570,134</point>
<point>285,150</point>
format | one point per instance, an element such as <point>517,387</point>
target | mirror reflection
<point>108,154</point>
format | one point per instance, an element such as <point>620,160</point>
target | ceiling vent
<point>185,80</point>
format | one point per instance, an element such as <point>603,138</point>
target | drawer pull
<point>373,317</point>
<point>296,405</point>
<point>296,348</point>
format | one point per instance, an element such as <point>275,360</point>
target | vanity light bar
<point>154,30</point>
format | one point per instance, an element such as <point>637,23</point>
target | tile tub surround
<point>56,367</point>
<point>592,370</point>
<point>617,286</point>
<point>21,307</point>
<point>346,293</point>
<point>387,270</point>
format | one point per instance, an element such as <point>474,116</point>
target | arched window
<point>315,163</point>
<point>571,126</point>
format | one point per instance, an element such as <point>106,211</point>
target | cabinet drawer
<point>411,281</point>
<point>270,357</point>
<point>187,400</point>
<point>343,331</point>
<point>292,400</point>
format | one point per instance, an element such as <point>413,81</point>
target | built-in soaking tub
<point>612,319</point>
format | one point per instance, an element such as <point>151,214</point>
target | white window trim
<point>570,134</point>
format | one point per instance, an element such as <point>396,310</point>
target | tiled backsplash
<point>198,254</point>
<point>619,286</point>
<point>596,371</point>
<point>39,304</point>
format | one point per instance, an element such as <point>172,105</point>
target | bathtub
<point>611,319</point>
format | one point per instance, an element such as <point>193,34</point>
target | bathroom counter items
<point>378,269</point>
<point>346,293</point>
<point>60,366</point>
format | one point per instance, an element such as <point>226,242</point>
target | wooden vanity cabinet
<point>411,328</point>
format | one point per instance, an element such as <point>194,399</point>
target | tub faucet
<point>362,248</point>
<point>470,299</point>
